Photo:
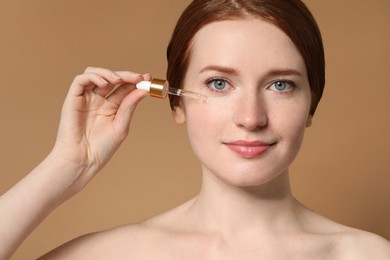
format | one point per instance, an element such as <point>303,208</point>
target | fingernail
<point>103,81</point>
<point>115,76</point>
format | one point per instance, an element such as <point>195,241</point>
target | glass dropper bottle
<point>160,88</point>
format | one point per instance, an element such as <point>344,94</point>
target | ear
<point>178,115</point>
<point>309,121</point>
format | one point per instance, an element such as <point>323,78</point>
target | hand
<point>95,118</point>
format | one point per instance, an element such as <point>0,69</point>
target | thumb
<point>126,110</point>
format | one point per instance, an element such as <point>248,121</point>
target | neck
<point>223,207</point>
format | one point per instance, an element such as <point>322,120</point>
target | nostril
<point>251,112</point>
<point>252,122</point>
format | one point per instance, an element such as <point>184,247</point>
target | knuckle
<point>79,77</point>
<point>88,69</point>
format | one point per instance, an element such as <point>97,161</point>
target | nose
<point>251,112</point>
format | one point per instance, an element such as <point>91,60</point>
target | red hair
<point>292,17</point>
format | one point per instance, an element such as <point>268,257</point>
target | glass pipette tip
<point>186,93</point>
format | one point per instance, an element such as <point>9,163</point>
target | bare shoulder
<point>110,244</point>
<point>358,244</point>
<point>346,242</point>
<point>136,241</point>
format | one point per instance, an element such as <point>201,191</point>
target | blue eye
<point>217,85</point>
<point>282,86</point>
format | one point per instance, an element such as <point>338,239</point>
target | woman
<point>261,66</point>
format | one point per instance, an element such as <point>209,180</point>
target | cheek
<point>203,117</point>
<point>204,124</point>
<point>291,125</point>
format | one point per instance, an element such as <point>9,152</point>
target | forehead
<point>247,44</point>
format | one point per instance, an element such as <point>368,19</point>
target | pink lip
<point>248,149</point>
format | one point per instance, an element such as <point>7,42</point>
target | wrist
<point>61,178</point>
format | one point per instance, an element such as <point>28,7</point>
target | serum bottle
<point>160,88</point>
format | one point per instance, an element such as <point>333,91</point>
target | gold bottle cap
<point>159,88</point>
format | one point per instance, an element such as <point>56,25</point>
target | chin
<point>254,180</point>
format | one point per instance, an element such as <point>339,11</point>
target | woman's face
<point>251,126</point>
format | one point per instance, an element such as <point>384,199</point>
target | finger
<point>84,82</point>
<point>147,77</point>
<point>100,80</point>
<point>103,91</point>
<point>109,76</point>
<point>117,95</point>
<point>126,111</point>
<point>123,90</point>
<point>120,93</point>
<point>130,77</point>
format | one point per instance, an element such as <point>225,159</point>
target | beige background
<point>342,171</point>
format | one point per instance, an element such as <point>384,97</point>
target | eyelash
<point>291,85</point>
<point>214,79</point>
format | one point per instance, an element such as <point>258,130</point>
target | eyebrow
<point>271,73</point>
<point>284,72</point>
<point>222,69</point>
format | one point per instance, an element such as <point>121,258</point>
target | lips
<point>249,149</point>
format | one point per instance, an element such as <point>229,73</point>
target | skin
<point>245,209</point>
<point>92,127</point>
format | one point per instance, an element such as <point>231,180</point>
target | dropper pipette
<point>160,88</point>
